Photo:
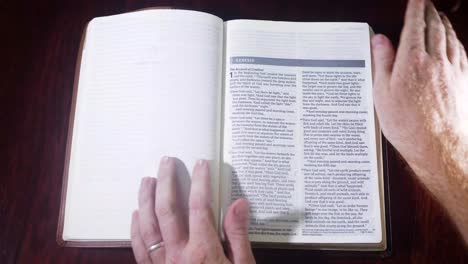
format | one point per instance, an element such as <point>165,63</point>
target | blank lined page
<point>150,86</point>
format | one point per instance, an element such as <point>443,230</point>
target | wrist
<point>432,176</point>
<point>451,191</point>
<point>447,180</point>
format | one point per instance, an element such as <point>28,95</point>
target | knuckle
<point>144,197</point>
<point>452,36</point>
<point>238,232</point>
<point>418,57</point>
<point>204,251</point>
<point>197,204</point>
<point>166,210</point>
<point>134,235</point>
<point>199,252</point>
<point>438,62</point>
<point>436,25</point>
<point>172,259</point>
<point>436,66</point>
<point>439,38</point>
<point>147,235</point>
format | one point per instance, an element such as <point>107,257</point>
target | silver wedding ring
<point>155,246</point>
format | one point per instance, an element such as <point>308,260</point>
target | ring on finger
<point>155,246</point>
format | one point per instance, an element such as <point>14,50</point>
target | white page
<point>300,182</point>
<point>150,86</point>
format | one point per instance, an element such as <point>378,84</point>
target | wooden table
<point>39,47</point>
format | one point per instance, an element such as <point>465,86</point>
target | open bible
<point>283,110</point>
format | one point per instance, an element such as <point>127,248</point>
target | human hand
<point>421,96</point>
<point>161,216</point>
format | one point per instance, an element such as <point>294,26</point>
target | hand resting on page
<point>161,217</point>
<point>421,98</point>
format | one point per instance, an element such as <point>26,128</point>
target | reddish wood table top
<point>39,45</point>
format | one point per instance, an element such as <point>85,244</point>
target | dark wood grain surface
<point>39,43</point>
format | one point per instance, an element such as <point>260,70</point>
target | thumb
<point>236,228</point>
<point>383,56</point>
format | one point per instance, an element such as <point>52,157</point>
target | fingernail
<point>144,180</point>
<point>165,160</point>
<point>378,40</point>
<point>241,212</point>
<point>201,163</point>
<point>442,14</point>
